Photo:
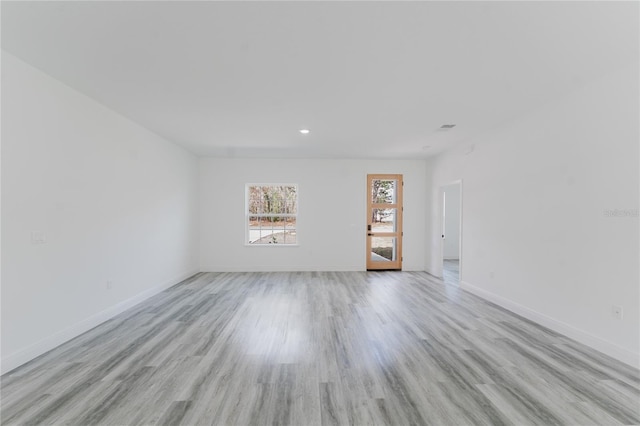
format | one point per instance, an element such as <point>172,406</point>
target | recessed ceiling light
<point>304,131</point>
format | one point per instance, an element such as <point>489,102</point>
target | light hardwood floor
<point>451,271</point>
<point>312,348</point>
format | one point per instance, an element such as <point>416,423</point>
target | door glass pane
<point>383,220</point>
<point>383,191</point>
<point>383,249</point>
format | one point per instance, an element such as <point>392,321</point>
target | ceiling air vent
<point>447,126</point>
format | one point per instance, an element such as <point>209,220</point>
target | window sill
<point>271,245</point>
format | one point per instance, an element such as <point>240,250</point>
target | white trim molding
<point>31,352</point>
<point>594,342</point>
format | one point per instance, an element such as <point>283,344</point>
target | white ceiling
<point>370,79</point>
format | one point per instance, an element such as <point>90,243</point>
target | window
<point>271,214</point>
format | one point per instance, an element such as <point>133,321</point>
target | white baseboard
<point>25,355</point>
<point>433,272</point>
<point>622,354</point>
<point>271,268</point>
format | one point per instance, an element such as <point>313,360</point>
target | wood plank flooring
<point>451,271</point>
<point>311,348</point>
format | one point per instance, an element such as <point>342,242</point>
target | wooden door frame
<point>392,265</point>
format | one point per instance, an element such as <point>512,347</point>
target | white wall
<point>451,249</point>
<point>114,202</point>
<point>536,236</point>
<point>331,219</point>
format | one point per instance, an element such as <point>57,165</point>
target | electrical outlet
<point>109,285</point>
<point>617,311</point>
<point>38,237</point>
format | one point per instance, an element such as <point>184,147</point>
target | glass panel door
<point>384,222</point>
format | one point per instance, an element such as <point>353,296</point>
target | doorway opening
<point>452,232</point>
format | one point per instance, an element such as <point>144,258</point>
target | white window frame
<point>247,214</point>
